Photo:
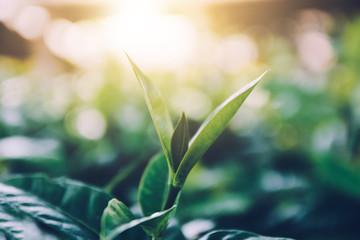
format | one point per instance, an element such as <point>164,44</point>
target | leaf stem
<point>172,195</point>
<point>124,173</point>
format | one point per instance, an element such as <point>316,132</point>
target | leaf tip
<point>257,80</point>
<point>130,60</point>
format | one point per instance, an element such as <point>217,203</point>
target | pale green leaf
<point>158,111</point>
<point>154,185</point>
<point>156,223</point>
<point>180,141</point>
<point>212,127</point>
<point>236,235</point>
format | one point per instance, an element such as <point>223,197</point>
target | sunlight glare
<point>91,124</point>
<point>31,21</point>
<point>316,51</point>
<point>24,147</point>
<point>236,52</point>
<point>153,40</point>
<point>195,103</point>
<point>76,42</point>
<point>13,91</point>
<point>8,9</point>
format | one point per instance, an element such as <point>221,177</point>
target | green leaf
<point>216,204</point>
<point>341,175</point>
<point>69,208</point>
<point>173,232</point>
<point>212,127</point>
<point>154,224</point>
<point>153,186</point>
<point>180,141</point>
<point>115,214</point>
<point>236,235</point>
<point>158,111</point>
<point>16,225</point>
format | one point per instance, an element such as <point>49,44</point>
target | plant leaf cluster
<point>184,153</point>
<point>34,206</point>
<point>162,183</point>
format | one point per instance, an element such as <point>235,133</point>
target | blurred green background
<point>289,162</point>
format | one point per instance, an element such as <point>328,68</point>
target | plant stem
<point>172,195</point>
<point>124,173</point>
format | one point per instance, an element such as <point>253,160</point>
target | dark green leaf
<point>173,232</point>
<point>339,174</point>
<point>158,111</point>
<point>154,224</point>
<point>154,185</point>
<point>180,141</point>
<point>16,225</point>
<point>69,208</point>
<point>213,126</point>
<point>236,235</point>
<point>19,203</point>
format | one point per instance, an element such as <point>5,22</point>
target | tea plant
<point>166,173</point>
<point>35,207</point>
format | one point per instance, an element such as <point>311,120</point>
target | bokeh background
<point>289,162</point>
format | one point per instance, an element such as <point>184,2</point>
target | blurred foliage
<point>288,165</point>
